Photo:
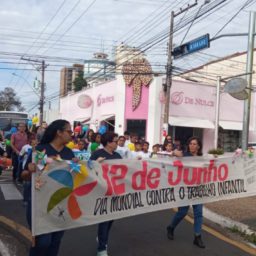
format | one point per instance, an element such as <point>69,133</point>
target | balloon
<point>13,130</point>
<point>7,142</point>
<point>102,129</point>
<point>94,146</point>
<point>30,123</point>
<point>77,129</point>
<point>85,128</point>
<point>70,145</point>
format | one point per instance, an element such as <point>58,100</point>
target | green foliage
<point>216,151</point>
<point>9,101</point>
<point>248,237</point>
<point>79,82</point>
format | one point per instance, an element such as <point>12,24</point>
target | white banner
<point>68,195</point>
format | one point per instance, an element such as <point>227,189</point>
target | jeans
<point>46,244</point>
<point>182,212</point>
<point>26,191</point>
<point>15,164</point>
<point>103,232</point>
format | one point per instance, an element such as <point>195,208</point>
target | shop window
<point>110,124</point>
<point>184,133</point>
<point>137,126</point>
<point>229,140</point>
<point>198,132</point>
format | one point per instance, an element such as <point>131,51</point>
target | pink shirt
<point>19,140</point>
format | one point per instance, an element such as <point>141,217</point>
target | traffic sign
<point>195,45</point>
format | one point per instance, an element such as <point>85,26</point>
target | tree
<point>79,82</point>
<point>9,101</point>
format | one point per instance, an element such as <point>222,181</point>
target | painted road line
<point>241,246</point>
<point>10,192</point>
<point>25,232</point>
<point>4,250</point>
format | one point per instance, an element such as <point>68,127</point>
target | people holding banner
<point>53,142</point>
<point>194,148</point>
<point>109,141</point>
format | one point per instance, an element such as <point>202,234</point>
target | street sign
<point>243,95</point>
<point>195,45</point>
<point>235,85</point>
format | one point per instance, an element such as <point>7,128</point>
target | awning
<point>230,125</point>
<point>191,122</point>
<point>107,117</point>
<point>83,120</point>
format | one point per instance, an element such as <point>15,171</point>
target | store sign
<point>84,101</point>
<point>103,100</point>
<point>195,45</point>
<point>179,98</point>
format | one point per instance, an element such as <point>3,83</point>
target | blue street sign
<point>195,45</point>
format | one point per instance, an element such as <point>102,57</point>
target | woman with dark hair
<point>109,141</point>
<point>54,141</point>
<point>168,139</point>
<point>194,148</point>
<point>95,142</point>
<point>88,138</point>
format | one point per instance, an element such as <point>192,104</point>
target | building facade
<point>67,77</point>
<point>135,101</point>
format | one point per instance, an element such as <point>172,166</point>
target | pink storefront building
<point>136,104</point>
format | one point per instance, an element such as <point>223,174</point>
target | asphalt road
<point>142,235</point>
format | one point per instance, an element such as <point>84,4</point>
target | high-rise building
<point>67,77</point>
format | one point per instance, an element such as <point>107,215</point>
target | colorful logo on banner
<point>72,189</point>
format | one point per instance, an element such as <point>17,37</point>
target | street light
<point>24,79</point>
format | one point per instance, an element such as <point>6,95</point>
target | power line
<point>46,26</point>
<point>82,14</point>
<point>243,6</point>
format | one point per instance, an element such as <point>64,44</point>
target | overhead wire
<point>80,16</point>
<point>155,41</point>
<point>41,33</point>
<point>228,22</point>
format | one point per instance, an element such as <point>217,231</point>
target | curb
<point>227,223</point>
<point>21,232</point>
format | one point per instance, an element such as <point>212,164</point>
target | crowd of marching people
<point>59,139</point>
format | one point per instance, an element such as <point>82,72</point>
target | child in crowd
<point>25,156</point>
<point>155,150</point>
<point>137,154</point>
<point>145,153</point>
<point>122,150</point>
<point>167,150</point>
<point>80,152</point>
<point>96,143</point>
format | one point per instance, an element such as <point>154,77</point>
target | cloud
<point>105,24</point>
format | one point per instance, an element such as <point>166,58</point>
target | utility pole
<point>167,86</point>
<point>42,88</point>
<point>217,112</point>
<point>41,102</point>
<point>249,69</point>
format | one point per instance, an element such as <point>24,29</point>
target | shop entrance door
<point>137,126</point>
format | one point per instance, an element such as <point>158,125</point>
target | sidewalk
<point>238,215</point>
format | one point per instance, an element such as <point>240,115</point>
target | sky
<point>76,29</point>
